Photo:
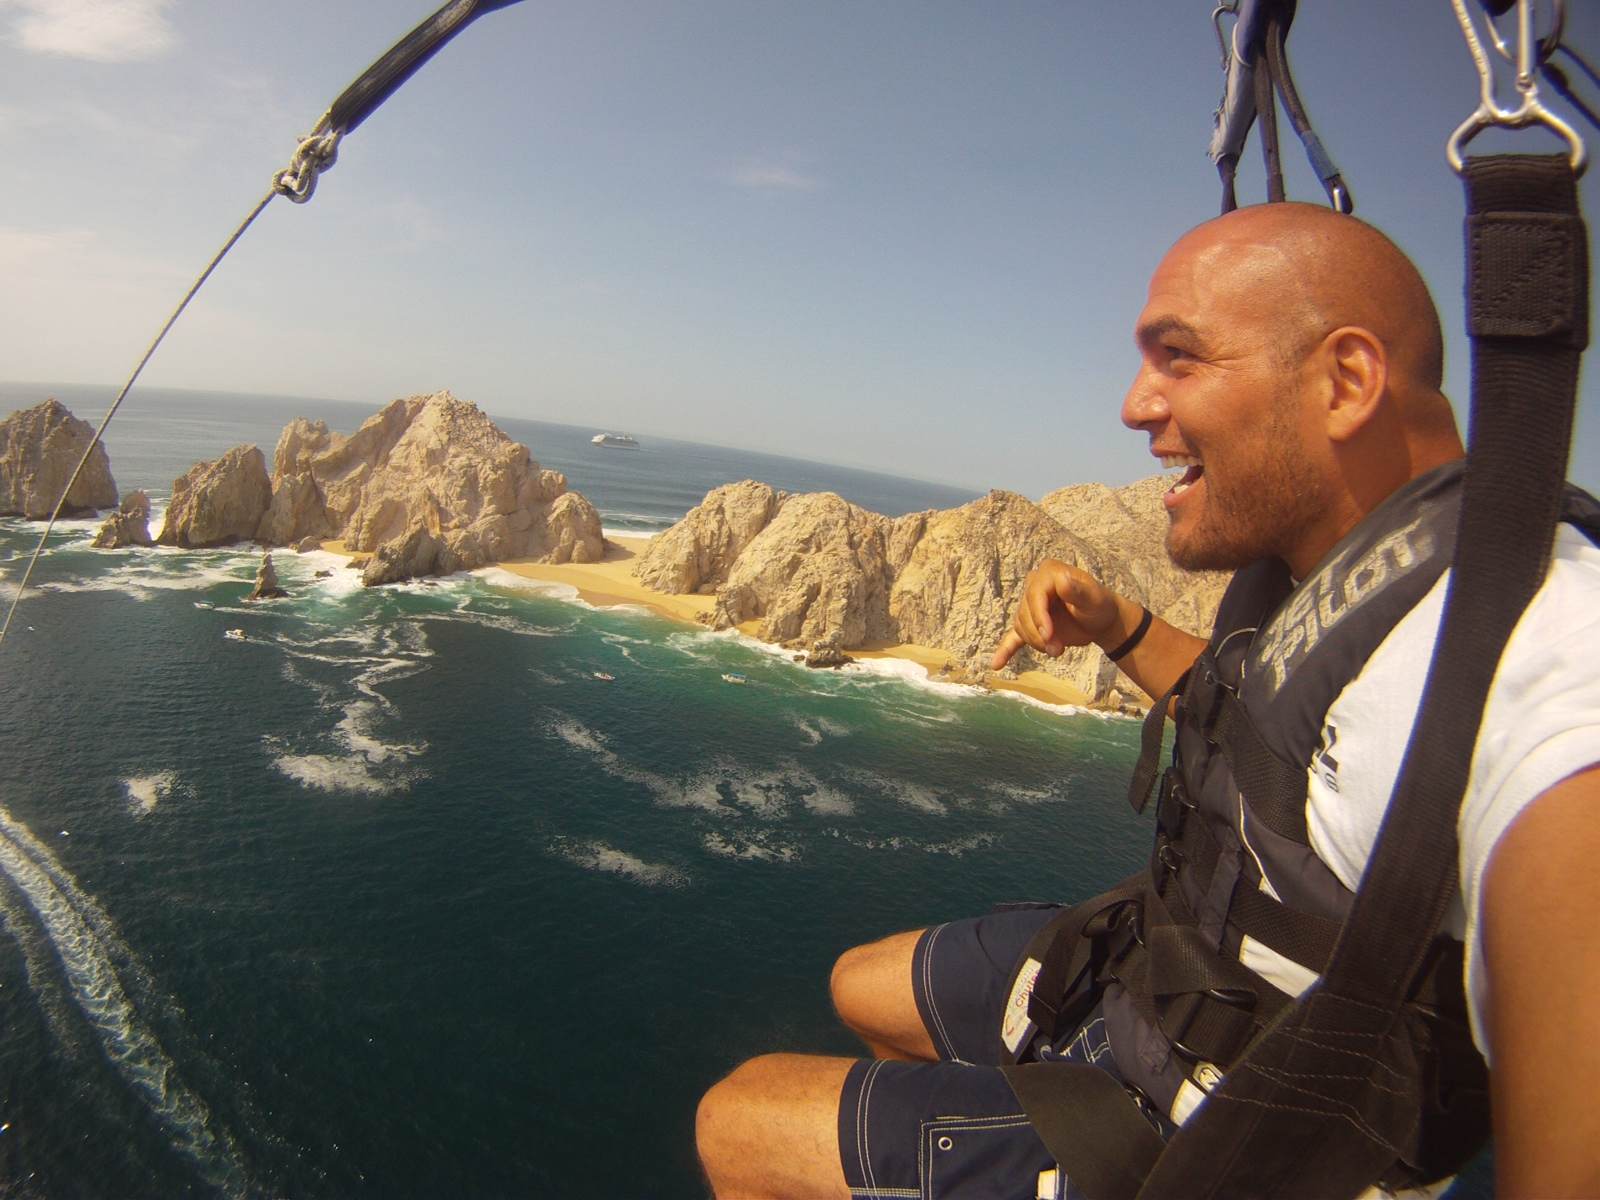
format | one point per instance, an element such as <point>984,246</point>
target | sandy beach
<point>610,582</point>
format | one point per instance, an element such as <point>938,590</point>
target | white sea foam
<point>145,791</point>
<point>369,764</point>
<point>751,848</point>
<point>905,791</point>
<point>502,578</point>
<point>827,802</point>
<point>606,531</point>
<point>329,774</point>
<point>954,848</point>
<point>86,942</point>
<point>597,856</point>
<point>1066,710</point>
<point>702,792</point>
<point>1023,795</point>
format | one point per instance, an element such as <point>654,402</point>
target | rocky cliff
<point>128,526</point>
<point>39,449</point>
<point>427,486</point>
<point>815,568</point>
<point>217,503</point>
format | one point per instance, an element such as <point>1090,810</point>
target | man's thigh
<point>939,1131</point>
<point>961,977</point>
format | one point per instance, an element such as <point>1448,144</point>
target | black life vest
<point>1236,915</point>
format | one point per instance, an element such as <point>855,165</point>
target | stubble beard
<point>1255,510</point>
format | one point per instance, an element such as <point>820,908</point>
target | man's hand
<point>1061,606</point>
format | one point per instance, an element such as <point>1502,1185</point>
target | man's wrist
<point>1129,614</point>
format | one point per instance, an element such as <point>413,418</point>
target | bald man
<point>1290,369</point>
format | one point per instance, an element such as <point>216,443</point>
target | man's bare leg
<point>770,1130</point>
<point>871,988</point>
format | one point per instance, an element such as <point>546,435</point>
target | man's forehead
<point>1209,276</point>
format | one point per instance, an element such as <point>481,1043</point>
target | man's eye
<point>1176,353</point>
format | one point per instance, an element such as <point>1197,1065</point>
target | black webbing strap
<point>1089,1124</point>
<point>1527,306</point>
<point>1149,765</point>
<point>1068,944</point>
<point>402,60</point>
<point>1293,1117</point>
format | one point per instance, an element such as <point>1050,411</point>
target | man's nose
<point>1144,404</point>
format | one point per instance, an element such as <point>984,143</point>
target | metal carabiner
<point>1224,42</point>
<point>1531,111</point>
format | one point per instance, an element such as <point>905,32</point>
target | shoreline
<point>609,583</point>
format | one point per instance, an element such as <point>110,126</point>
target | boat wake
<point>96,970</point>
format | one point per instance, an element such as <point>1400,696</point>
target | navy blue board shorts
<point>953,1128</point>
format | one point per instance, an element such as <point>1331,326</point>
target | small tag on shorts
<point>1015,1025</point>
<point>1049,1187</point>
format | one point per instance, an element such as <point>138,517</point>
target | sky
<point>907,236</point>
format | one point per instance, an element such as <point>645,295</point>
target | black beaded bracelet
<point>1134,638</point>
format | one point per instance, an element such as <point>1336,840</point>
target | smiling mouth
<point>1191,468</point>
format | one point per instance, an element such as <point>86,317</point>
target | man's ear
<point>1356,367</point>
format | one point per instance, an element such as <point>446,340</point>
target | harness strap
<point>1086,1120</point>
<point>1149,765</point>
<point>1065,948</point>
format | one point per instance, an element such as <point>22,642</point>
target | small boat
<point>202,604</point>
<point>618,441</point>
<point>734,677</point>
<point>603,675</point>
<point>237,635</point>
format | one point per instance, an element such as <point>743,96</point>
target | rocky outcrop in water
<point>815,569</point>
<point>128,526</point>
<point>218,503</point>
<point>266,587</point>
<point>40,447</point>
<point>427,486</point>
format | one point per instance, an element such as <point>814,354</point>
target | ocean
<point>395,898</point>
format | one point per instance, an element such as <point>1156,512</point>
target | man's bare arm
<point>1064,606</point>
<point>1541,945</point>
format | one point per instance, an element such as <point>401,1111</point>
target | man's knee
<point>870,981</point>
<point>770,1128</point>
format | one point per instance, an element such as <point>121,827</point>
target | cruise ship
<point>620,441</point>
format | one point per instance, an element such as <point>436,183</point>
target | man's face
<point>1222,402</point>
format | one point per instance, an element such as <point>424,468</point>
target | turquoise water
<point>395,898</point>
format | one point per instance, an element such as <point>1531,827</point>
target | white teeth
<point>1169,461</point>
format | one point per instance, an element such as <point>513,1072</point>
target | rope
<point>117,403</point>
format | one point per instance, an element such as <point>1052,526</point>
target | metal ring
<point>1532,113</point>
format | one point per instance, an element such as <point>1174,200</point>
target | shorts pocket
<point>981,1158</point>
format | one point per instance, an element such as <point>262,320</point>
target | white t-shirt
<point>1541,724</point>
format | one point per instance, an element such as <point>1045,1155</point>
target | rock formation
<point>816,570</point>
<point>40,447</point>
<point>820,566</point>
<point>218,503</point>
<point>697,553</point>
<point>266,581</point>
<point>827,652</point>
<point>128,526</point>
<point>1131,523</point>
<point>427,486</point>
